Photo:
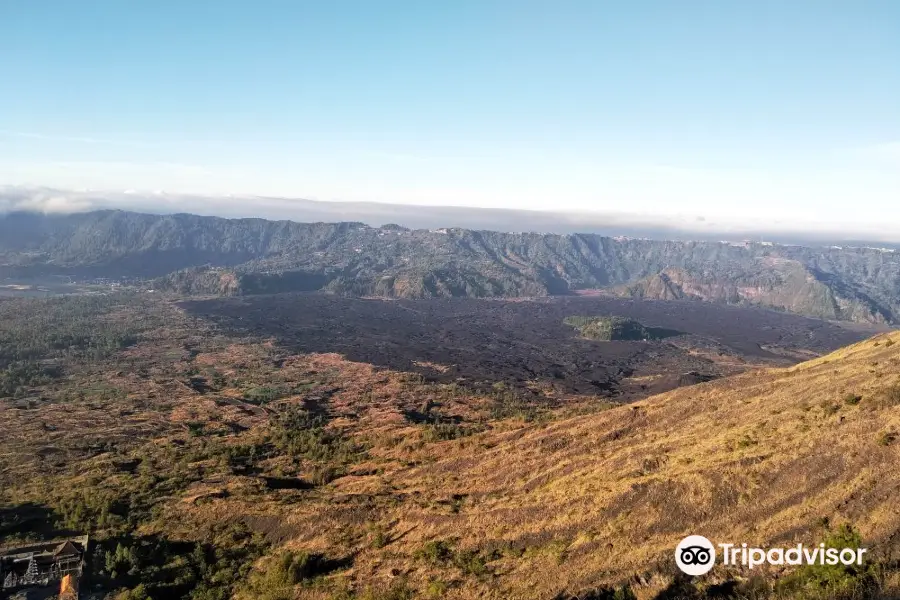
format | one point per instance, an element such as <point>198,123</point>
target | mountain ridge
<point>194,254</point>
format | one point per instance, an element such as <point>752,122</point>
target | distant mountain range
<point>613,219</point>
<point>209,255</point>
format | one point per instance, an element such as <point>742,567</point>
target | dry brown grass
<point>596,499</point>
<point>568,503</point>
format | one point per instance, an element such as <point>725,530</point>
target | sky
<point>771,111</point>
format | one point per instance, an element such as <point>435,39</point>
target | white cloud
<point>853,189</point>
<point>636,223</point>
<point>43,200</point>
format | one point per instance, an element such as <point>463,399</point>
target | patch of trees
<point>79,326</point>
<point>284,571</point>
<point>306,437</point>
<point>38,336</point>
<point>609,328</point>
<point>148,567</point>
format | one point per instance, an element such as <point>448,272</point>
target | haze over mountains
<point>623,220</point>
<point>209,255</point>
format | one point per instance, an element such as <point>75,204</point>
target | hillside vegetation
<point>211,465</point>
<point>207,255</point>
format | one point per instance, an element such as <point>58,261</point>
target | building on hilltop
<point>59,562</point>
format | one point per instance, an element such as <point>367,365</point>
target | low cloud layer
<point>683,227</point>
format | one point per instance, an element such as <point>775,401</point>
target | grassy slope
<point>761,458</point>
<point>578,502</point>
<point>563,503</point>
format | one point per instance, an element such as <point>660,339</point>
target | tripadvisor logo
<point>696,555</point>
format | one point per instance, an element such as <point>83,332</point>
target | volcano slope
<point>765,458</point>
<point>209,464</point>
<point>769,458</point>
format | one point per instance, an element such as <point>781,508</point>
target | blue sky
<point>723,110</point>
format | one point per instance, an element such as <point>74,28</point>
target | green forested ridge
<point>193,254</point>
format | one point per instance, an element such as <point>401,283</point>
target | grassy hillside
<point>764,458</point>
<point>210,465</point>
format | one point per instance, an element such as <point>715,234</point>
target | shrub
<point>301,435</point>
<point>138,593</point>
<point>292,567</point>
<point>887,438</point>
<point>263,395</point>
<point>437,589</point>
<point>284,572</point>
<point>399,590</point>
<point>379,538</point>
<point>323,475</point>
<point>852,399</point>
<point>833,581</point>
<point>470,562</point>
<point>195,428</point>
<point>436,552</point>
<point>746,442</point>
